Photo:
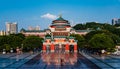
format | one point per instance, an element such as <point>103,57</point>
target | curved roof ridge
<point>60,18</point>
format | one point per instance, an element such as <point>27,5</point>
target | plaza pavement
<point>14,61</point>
<point>105,61</point>
<point>36,61</point>
<point>59,61</point>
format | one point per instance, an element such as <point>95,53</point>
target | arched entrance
<point>48,48</point>
<point>56,48</point>
<point>71,48</point>
<point>60,48</point>
<point>63,48</point>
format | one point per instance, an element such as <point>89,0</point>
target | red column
<point>67,48</point>
<point>52,47</point>
<point>75,48</point>
<point>44,48</point>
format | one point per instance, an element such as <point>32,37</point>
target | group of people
<point>19,50</point>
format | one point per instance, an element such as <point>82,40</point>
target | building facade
<point>115,21</point>
<point>11,28</point>
<point>118,21</point>
<point>2,33</point>
<point>57,36</point>
<point>34,28</point>
<point>59,39</point>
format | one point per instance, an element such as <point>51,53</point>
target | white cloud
<point>49,16</point>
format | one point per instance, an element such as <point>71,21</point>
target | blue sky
<point>42,12</point>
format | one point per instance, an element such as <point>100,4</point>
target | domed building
<point>60,27</point>
<point>57,37</point>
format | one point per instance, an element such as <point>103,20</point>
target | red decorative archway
<point>75,48</point>
<point>52,47</point>
<point>67,48</point>
<point>44,48</point>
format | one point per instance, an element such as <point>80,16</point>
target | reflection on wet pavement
<point>14,61</point>
<point>59,61</point>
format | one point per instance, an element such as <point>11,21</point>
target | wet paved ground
<point>13,61</point>
<point>105,61</point>
<point>58,61</point>
<point>109,60</point>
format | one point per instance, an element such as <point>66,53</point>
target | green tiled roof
<point>62,25</point>
<point>59,36</point>
<point>34,31</point>
<point>71,37</point>
<point>76,40</point>
<point>98,28</point>
<point>22,30</point>
<point>48,37</point>
<point>60,18</point>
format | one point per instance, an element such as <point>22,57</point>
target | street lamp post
<point>22,46</point>
<point>116,42</point>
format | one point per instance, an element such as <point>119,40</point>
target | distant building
<point>30,28</point>
<point>34,28</point>
<point>118,21</point>
<point>37,28</point>
<point>39,33</point>
<point>11,28</point>
<point>2,33</point>
<point>115,21</point>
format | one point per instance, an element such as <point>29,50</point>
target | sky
<point>41,12</point>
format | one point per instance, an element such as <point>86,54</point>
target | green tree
<point>93,25</point>
<point>79,27</point>
<point>7,47</point>
<point>108,27</point>
<point>14,40</point>
<point>32,42</point>
<point>115,38</point>
<point>80,40</point>
<point>117,25</point>
<point>116,31</point>
<point>4,40</point>
<point>21,36</point>
<point>101,41</point>
<point>89,35</point>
